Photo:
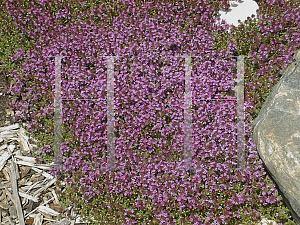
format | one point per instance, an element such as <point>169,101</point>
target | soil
<point>6,116</point>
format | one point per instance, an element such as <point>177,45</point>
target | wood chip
<point>28,194</point>
<point>27,159</point>
<point>16,196</point>
<point>47,210</point>
<point>10,128</point>
<point>3,158</point>
<point>38,219</point>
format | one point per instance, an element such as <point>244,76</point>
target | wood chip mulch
<point>28,192</point>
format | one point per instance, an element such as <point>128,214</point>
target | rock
<point>276,133</point>
<point>265,221</point>
<point>239,10</point>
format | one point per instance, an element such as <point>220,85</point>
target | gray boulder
<point>276,133</point>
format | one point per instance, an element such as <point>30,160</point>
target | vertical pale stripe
<point>110,114</point>
<point>239,89</point>
<point>187,115</point>
<point>57,113</point>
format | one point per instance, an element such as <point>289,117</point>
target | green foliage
<point>47,137</point>
<point>10,40</point>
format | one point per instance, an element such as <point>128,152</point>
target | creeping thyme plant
<point>155,192</point>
